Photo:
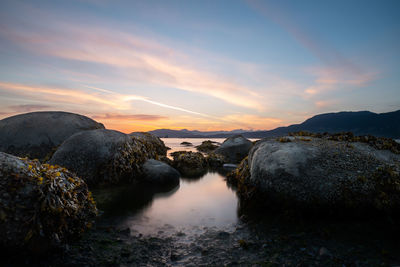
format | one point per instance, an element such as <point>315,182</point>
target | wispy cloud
<point>337,70</point>
<point>143,60</point>
<point>27,108</point>
<point>107,98</point>
<point>328,79</point>
<point>128,117</point>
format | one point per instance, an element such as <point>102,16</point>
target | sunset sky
<point>205,65</point>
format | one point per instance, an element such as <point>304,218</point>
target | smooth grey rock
<point>160,173</point>
<point>103,156</point>
<point>324,173</point>
<point>37,134</point>
<point>235,148</point>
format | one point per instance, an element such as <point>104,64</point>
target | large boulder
<point>189,164</point>
<point>319,175</point>
<point>159,173</point>
<point>103,156</point>
<point>41,206</point>
<point>152,142</point>
<point>235,148</point>
<point>37,134</point>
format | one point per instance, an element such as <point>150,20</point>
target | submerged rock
<point>235,148</point>
<point>103,156</point>
<point>152,142</point>
<point>189,164</point>
<point>160,173</point>
<point>207,146</point>
<point>320,175</point>
<point>37,134</point>
<point>41,206</point>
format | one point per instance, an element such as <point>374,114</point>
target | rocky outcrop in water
<point>215,160</point>
<point>320,175</point>
<point>37,134</point>
<point>235,148</point>
<point>41,206</point>
<point>152,142</point>
<point>189,164</point>
<point>159,173</point>
<point>207,146</point>
<point>186,144</point>
<point>103,156</point>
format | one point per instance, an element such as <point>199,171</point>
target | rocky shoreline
<point>332,186</point>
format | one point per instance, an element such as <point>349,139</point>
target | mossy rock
<point>104,156</point>
<point>189,164</point>
<point>207,146</point>
<point>152,142</point>
<point>41,206</point>
<point>215,160</point>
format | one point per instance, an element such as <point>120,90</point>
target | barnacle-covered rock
<point>320,176</point>
<point>41,206</point>
<point>189,164</point>
<point>103,156</point>
<point>37,134</point>
<point>235,148</point>
<point>152,142</point>
<point>207,146</point>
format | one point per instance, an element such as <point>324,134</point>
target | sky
<point>205,65</point>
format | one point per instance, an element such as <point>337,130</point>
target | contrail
<point>144,99</point>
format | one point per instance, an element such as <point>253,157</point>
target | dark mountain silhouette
<point>360,123</point>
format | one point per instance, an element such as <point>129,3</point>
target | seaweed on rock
<point>41,206</point>
<point>189,164</point>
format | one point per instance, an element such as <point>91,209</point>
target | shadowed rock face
<point>37,134</point>
<point>235,148</point>
<point>103,156</point>
<point>159,173</point>
<point>41,206</point>
<point>316,173</point>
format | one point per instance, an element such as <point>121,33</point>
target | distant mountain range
<point>360,123</point>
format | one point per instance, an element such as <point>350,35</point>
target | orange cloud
<point>61,95</point>
<point>144,61</point>
<point>129,117</point>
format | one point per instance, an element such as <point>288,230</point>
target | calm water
<point>191,207</point>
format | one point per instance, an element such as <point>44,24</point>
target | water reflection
<point>204,201</point>
<point>175,143</point>
<point>129,199</point>
<point>208,202</point>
